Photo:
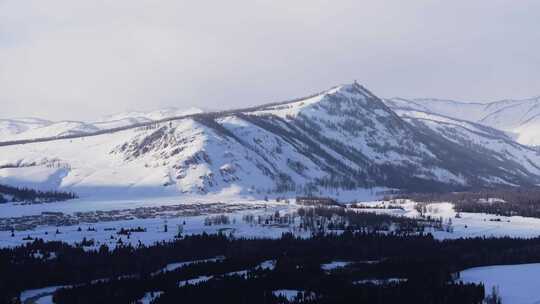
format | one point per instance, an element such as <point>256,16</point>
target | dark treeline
<point>503,202</point>
<point>16,194</point>
<point>427,264</point>
<point>257,287</point>
<point>324,218</point>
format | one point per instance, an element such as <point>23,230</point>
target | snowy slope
<point>359,137</point>
<point>61,128</point>
<point>471,111</point>
<point>118,123</point>
<point>152,115</point>
<point>516,283</point>
<point>521,118</point>
<point>344,139</point>
<point>472,136</point>
<point>12,127</point>
<point>32,128</point>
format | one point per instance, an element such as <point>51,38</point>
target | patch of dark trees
<point>258,286</point>
<point>323,218</point>
<point>503,202</point>
<point>316,201</point>
<point>428,265</point>
<point>28,195</point>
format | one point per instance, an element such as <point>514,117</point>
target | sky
<point>81,60</point>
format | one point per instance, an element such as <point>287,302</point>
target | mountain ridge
<point>21,130</point>
<point>519,117</point>
<point>340,140</point>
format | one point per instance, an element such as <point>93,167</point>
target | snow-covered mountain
<point>152,115</point>
<point>520,118</point>
<point>11,127</point>
<point>32,128</point>
<point>62,128</point>
<point>343,139</point>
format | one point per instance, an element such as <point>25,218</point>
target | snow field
<point>517,284</point>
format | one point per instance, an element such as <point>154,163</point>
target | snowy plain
<point>517,284</point>
<point>513,281</point>
<point>106,232</point>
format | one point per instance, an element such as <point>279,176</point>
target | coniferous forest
<point>383,268</point>
<point>501,202</point>
<point>27,195</point>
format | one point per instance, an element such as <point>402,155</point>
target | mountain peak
<point>354,94</point>
<point>352,88</point>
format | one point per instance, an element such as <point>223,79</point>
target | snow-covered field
<point>41,295</point>
<point>517,284</point>
<point>334,265</point>
<point>44,295</point>
<point>467,224</point>
<point>106,232</point>
<point>174,266</point>
<point>150,296</point>
<point>289,294</point>
<point>84,205</point>
<point>192,221</point>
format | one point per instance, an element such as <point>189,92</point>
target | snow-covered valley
<point>101,222</point>
<point>199,217</point>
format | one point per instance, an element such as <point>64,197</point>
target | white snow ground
<point>289,294</point>
<point>468,225</point>
<point>380,281</point>
<point>174,266</point>
<point>517,284</point>
<point>45,300</point>
<point>514,281</point>
<point>41,295</point>
<point>194,281</point>
<point>150,296</point>
<point>154,226</point>
<point>334,265</point>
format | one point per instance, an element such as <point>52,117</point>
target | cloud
<point>83,59</point>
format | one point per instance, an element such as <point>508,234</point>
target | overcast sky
<point>66,59</point>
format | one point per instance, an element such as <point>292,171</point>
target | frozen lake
<point>518,284</point>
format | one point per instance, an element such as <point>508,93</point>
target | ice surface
<point>517,284</point>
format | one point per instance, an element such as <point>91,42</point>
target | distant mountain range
<point>344,139</point>
<point>519,118</point>
<point>31,128</point>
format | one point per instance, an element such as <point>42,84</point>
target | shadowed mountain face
<point>345,138</point>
